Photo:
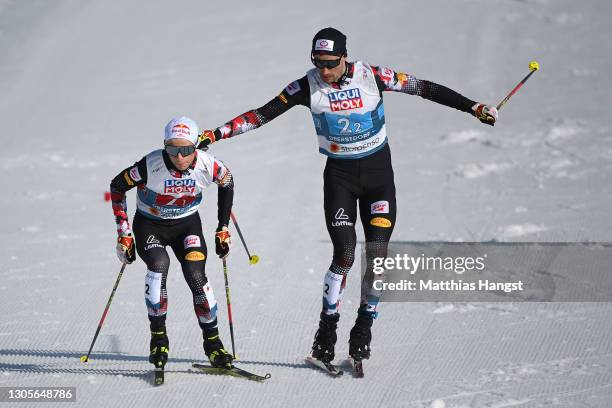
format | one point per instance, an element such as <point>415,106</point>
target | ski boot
<point>361,336</point>
<point>325,338</point>
<point>213,348</point>
<point>159,348</point>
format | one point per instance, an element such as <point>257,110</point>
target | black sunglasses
<point>329,64</point>
<point>183,150</point>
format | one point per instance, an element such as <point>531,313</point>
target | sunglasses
<point>183,150</point>
<point>329,64</point>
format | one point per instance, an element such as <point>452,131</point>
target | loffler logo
<point>152,242</point>
<point>341,218</point>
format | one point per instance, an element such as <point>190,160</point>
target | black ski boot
<point>361,336</point>
<point>325,338</point>
<point>159,348</point>
<point>213,348</point>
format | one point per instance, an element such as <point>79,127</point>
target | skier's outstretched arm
<point>124,181</point>
<point>296,93</point>
<point>390,80</point>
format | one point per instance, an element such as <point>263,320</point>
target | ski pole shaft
<point>533,67</point>
<point>229,307</point>
<point>110,299</point>
<point>253,259</point>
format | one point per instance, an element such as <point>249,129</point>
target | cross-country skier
<point>170,182</point>
<point>345,100</point>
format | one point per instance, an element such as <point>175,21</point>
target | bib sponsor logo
<point>191,241</point>
<point>324,45</point>
<point>362,147</point>
<point>379,207</point>
<point>135,174</point>
<point>195,256</point>
<point>345,100</point>
<point>380,222</point>
<point>180,186</point>
<point>293,88</point>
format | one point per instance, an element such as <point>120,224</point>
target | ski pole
<point>229,308</point>
<point>253,259</point>
<point>533,67</point>
<point>110,299</point>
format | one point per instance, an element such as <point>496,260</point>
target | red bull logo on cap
<point>181,130</point>
<point>345,100</point>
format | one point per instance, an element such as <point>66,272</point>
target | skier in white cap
<point>170,183</point>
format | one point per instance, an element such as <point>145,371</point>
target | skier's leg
<point>150,246</point>
<point>190,248</point>
<point>340,206</point>
<point>378,214</point>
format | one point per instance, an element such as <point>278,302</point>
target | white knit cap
<point>182,128</point>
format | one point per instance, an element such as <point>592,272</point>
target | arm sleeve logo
<point>293,88</point>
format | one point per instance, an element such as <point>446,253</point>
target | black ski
<point>234,372</point>
<point>329,368</point>
<point>159,376</point>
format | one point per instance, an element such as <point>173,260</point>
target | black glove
<point>223,242</point>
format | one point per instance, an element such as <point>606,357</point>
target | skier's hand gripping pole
<point>253,259</point>
<point>533,67</point>
<point>85,358</point>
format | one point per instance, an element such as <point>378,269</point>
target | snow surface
<point>86,88</point>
